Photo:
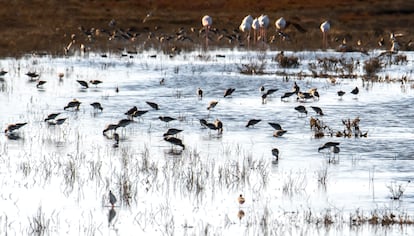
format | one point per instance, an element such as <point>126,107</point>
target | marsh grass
<point>39,224</point>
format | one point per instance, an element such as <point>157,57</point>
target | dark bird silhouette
<point>264,97</point>
<point>262,89</point>
<point>52,116</point>
<point>328,145</point>
<point>131,111</point>
<point>153,105</point>
<point>203,123</point>
<point>318,110</point>
<point>124,122</point>
<point>3,72</point>
<point>341,93</point>
<point>275,153</point>
<point>229,92</point>
<point>116,138</point>
<point>252,122</point>
<point>166,119</point>
<point>200,93</point>
<point>83,83</point>
<point>139,113</point>
<point>95,82</point>
<point>57,122</point>
<point>275,126</point>
<point>97,106</point>
<point>32,75</point>
<point>296,88</point>
<point>40,83</point>
<point>111,215</point>
<point>212,104</point>
<point>12,127</point>
<point>73,104</point>
<point>110,127</point>
<point>279,133</point>
<point>355,91</point>
<point>301,109</point>
<point>174,141</point>
<point>172,131</point>
<point>303,96</point>
<point>271,91</point>
<point>112,198</point>
<point>286,95</point>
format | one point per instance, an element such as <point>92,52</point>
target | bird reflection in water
<point>111,215</point>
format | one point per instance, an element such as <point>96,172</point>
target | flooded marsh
<point>56,174</point>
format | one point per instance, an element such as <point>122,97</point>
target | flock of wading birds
<point>170,135</point>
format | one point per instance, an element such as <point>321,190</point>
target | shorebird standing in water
<point>73,104</point>
<point>200,93</point>
<point>12,127</point>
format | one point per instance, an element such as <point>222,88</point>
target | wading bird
<point>73,104</point>
<point>153,105</point>
<point>83,83</point>
<point>279,133</point>
<point>241,200</point>
<point>131,111</point>
<point>341,93</point>
<point>166,119</point>
<point>40,83</point>
<point>12,127</point>
<point>97,106</point>
<point>212,104</point>
<point>112,198</point>
<point>174,141</point>
<point>110,127</point>
<point>229,92</point>
<point>275,154</point>
<point>95,82</point>
<point>252,122</point>
<point>325,27</point>
<point>301,109</point>
<point>172,131</point>
<point>52,116</point>
<point>355,91</point>
<point>318,110</point>
<point>207,21</point>
<point>200,93</point>
<point>275,126</point>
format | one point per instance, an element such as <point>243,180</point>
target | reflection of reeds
<point>39,224</point>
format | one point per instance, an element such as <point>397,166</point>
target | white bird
<point>325,27</point>
<point>280,23</point>
<point>264,24</point>
<point>246,26</point>
<point>207,21</point>
<point>256,27</point>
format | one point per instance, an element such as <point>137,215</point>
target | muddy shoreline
<point>48,26</point>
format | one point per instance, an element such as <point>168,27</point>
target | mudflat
<point>50,26</point>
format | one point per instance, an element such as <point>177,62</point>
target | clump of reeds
<point>39,224</point>
<point>286,61</point>
<point>372,67</point>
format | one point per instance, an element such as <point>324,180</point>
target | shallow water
<point>68,170</point>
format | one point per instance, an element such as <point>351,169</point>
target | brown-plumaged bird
<point>241,200</point>
<point>252,122</point>
<point>153,105</point>
<point>212,105</point>
<point>12,127</point>
<point>279,133</point>
<point>73,104</point>
<point>174,141</point>
<point>95,82</point>
<point>83,83</point>
<point>219,126</point>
